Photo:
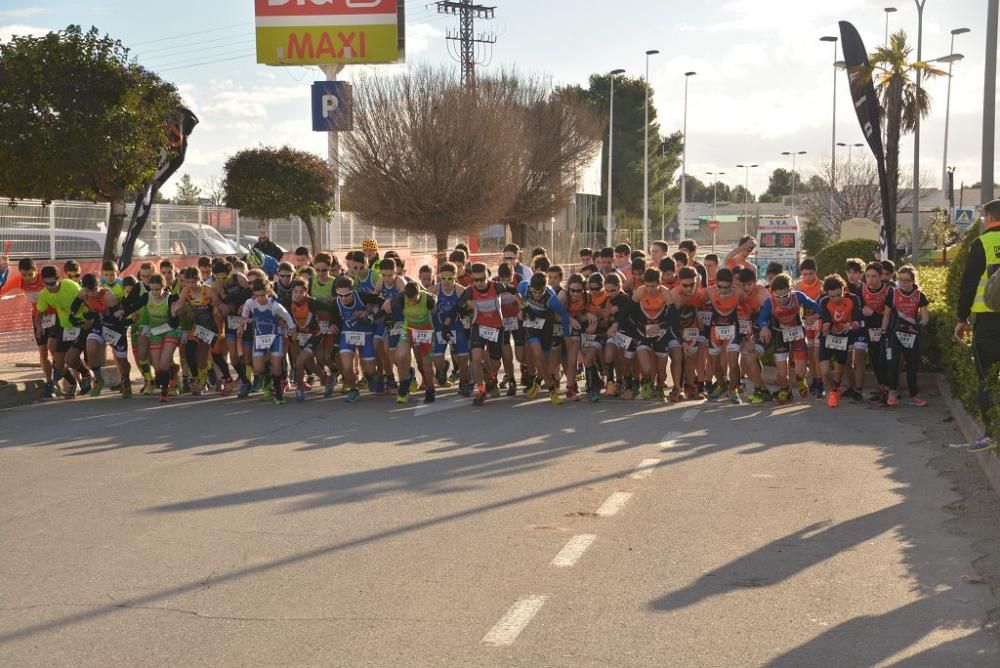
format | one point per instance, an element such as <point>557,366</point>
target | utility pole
<point>467,40</point>
<point>990,101</point>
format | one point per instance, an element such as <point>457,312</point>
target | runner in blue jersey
<point>541,310</point>
<point>388,286</point>
<point>357,337</point>
<point>447,294</point>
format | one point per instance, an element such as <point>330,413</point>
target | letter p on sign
<point>331,106</point>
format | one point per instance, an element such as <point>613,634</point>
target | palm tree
<point>902,104</point>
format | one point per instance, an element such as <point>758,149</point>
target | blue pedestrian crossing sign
<point>964,218</point>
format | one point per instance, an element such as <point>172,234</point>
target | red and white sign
<point>324,7</point>
<point>713,225</point>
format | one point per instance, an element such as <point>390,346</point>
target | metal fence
<point>77,230</point>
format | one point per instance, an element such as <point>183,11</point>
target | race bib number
<point>588,340</point>
<point>71,333</point>
<point>324,327</point>
<point>304,339</point>
<point>233,322</point>
<point>653,331</point>
<point>111,337</point>
<point>263,341</point>
<point>422,336</point>
<point>160,330</point>
<point>792,334</point>
<point>48,320</point>
<point>355,338</point>
<point>535,323</point>
<point>204,334</point>
<point>746,327</point>
<point>836,343</point>
<point>705,318</point>
<point>725,332</point>
<point>622,341</point>
<point>906,338</point>
<point>489,333</point>
<point>691,334</point>
<point>875,334</point>
<point>511,324</point>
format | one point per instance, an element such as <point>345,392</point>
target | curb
<point>24,392</point>
<point>988,461</point>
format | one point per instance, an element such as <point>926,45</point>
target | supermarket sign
<point>317,32</point>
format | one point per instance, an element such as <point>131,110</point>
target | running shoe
<point>186,385</point>
<point>414,385</point>
<point>454,376</point>
<point>784,396</point>
<point>86,386</point>
<point>244,391</point>
<point>480,399</point>
<point>694,393</point>
<point>645,391</point>
<point>493,387</point>
<point>757,398</point>
<point>554,397</point>
<point>380,386</point>
<point>572,394</point>
<point>918,402</point>
<point>390,384</point>
<point>715,392</point>
<point>594,395</point>
<point>833,398</point>
<point>164,396</point>
<point>147,387</point>
<point>300,395</point>
<point>328,390</point>
<point>352,396</point>
<point>279,399</point>
<point>266,393</point>
<point>892,399</point>
<point>803,388</point>
<point>658,394</point>
<point>50,390</point>
<point>465,389</point>
<point>674,396</point>
<point>983,444</point>
<point>126,390</point>
<point>442,376</point>
<point>305,384</point>
<point>628,392</point>
<point>402,398</point>
<point>734,397</point>
<point>532,390</point>
<point>429,396</point>
<point>362,384</point>
<point>511,387</point>
<point>611,390</point>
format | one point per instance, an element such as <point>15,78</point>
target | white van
<point>36,242</point>
<point>183,239</point>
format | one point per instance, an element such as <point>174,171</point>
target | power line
<point>466,38</point>
<point>209,62</point>
<point>170,58</point>
<point>188,34</point>
<point>181,46</point>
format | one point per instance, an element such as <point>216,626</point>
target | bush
<point>831,259</point>
<point>933,282</point>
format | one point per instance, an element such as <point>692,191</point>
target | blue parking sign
<point>331,106</point>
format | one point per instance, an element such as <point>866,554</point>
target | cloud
<point>419,36</point>
<point>249,103</point>
<point>9,31</point>
<point>22,13</point>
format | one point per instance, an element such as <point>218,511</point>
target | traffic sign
<point>964,218</point>
<point>713,225</point>
<point>331,106</point>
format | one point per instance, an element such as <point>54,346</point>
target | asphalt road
<point>229,532</point>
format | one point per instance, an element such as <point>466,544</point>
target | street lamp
<point>611,145</point>
<point>833,140</point>
<point>794,154</point>
<point>681,226</point>
<point>915,223</point>
<point>645,160</point>
<point>746,197</point>
<point>951,59</point>
<point>849,147</point>
<point>888,10</point>
<point>715,203</point>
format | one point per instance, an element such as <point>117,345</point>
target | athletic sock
<point>276,383</point>
<point>145,371</point>
<point>220,361</point>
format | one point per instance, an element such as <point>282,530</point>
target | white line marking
<point>644,469</point>
<point>438,406</point>
<point>519,615</point>
<point>669,440</point>
<point>690,415</point>
<point>573,550</point>
<point>613,504</point>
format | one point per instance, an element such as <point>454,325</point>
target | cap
<point>369,245</point>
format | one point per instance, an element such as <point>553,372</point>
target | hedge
<point>831,260</point>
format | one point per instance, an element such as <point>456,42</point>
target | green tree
<point>780,185</point>
<point>187,192</point>
<point>78,118</point>
<point>814,237</point>
<point>741,194</point>
<point>902,102</point>
<point>268,182</point>
<point>664,151</point>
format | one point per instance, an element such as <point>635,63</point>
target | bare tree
<point>857,194</point>
<point>215,191</point>
<point>429,154</point>
<point>562,135</point>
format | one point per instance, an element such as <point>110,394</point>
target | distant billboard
<point>319,32</point>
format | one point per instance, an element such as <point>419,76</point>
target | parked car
<point>183,239</point>
<point>36,242</point>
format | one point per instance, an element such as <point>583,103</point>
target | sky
<point>764,82</point>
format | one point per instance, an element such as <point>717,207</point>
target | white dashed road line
<point>690,415</point>
<point>519,615</point>
<point>613,504</point>
<point>573,550</point>
<point>669,440</point>
<point>644,469</point>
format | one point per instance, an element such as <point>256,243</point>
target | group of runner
<point>660,326</point>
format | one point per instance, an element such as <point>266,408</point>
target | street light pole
<point>989,103</point>
<point>915,224</point>
<point>888,10</point>
<point>833,139</point>
<point>681,226</point>
<point>794,154</point>
<point>645,160</point>
<point>947,114</point>
<point>611,145</point>
<point>746,197</point>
